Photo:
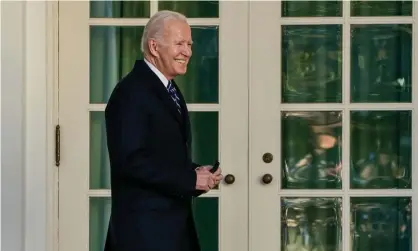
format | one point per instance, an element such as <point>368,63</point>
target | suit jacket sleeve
<point>136,163</point>
<point>194,165</point>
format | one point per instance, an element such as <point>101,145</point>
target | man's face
<point>174,52</point>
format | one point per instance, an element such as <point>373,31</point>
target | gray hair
<point>155,27</point>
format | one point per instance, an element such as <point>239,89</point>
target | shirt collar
<point>161,76</point>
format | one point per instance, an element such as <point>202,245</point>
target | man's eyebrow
<point>183,41</point>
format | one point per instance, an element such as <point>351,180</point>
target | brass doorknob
<point>229,179</point>
<point>267,157</point>
<point>267,178</point>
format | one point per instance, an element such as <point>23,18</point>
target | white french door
<point>98,44</point>
<point>333,102</point>
<point>309,105</point>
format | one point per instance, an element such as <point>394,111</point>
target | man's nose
<point>187,51</point>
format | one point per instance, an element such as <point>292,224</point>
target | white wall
<point>26,115</point>
<point>12,119</point>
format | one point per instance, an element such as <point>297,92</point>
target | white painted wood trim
<point>41,189</point>
<point>0,135</point>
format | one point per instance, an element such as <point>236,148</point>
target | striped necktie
<point>174,96</point>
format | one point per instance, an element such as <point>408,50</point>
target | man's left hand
<point>216,176</point>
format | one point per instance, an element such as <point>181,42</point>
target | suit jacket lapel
<point>142,70</point>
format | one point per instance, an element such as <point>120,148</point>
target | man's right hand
<point>204,179</point>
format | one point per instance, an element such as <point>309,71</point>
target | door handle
<point>229,179</point>
<point>267,178</point>
<point>267,157</point>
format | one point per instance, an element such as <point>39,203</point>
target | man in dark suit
<point>153,178</point>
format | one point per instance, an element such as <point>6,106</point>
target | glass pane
<point>311,224</point>
<point>311,8</point>
<point>380,154</point>
<point>381,63</point>
<point>99,157</point>
<point>113,51</point>
<point>383,224</point>
<point>205,214</point>
<point>311,63</point>
<point>192,9</point>
<point>119,9</point>
<point>381,8</point>
<point>311,150</point>
<point>200,83</point>
<point>204,128</point>
<point>206,217</point>
<point>100,208</point>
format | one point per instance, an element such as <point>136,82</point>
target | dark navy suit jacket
<point>152,175</point>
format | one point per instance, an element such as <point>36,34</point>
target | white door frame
<point>41,214</point>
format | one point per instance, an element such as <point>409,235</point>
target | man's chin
<point>181,71</point>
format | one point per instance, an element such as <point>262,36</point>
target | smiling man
<point>153,178</point>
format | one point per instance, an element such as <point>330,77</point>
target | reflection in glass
<point>204,128</point>
<point>192,9</point>
<point>311,224</point>
<point>381,8</point>
<point>311,150</point>
<point>206,215</point>
<point>99,157</point>
<point>311,63</point>
<point>114,49</point>
<point>119,9</point>
<point>381,63</point>
<point>380,154</point>
<point>311,8</point>
<point>100,208</point>
<point>383,224</point>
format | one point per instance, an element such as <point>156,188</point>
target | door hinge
<point>57,145</point>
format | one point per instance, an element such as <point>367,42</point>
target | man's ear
<point>153,47</point>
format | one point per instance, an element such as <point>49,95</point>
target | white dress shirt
<point>161,76</point>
